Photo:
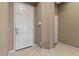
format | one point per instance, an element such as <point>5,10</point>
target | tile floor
<point>60,50</point>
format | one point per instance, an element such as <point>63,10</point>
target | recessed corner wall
<point>69,23</point>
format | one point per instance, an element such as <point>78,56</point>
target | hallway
<point>60,50</point>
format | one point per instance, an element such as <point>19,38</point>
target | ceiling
<point>32,3</point>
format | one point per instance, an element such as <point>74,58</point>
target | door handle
<point>16,30</point>
<point>39,23</point>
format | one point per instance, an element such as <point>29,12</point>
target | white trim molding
<point>11,53</point>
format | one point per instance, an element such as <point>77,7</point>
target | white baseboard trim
<point>68,45</point>
<point>11,53</point>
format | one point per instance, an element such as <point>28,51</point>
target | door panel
<point>24,25</point>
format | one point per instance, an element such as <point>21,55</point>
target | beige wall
<point>69,23</point>
<point>47,25</point>
<point>45,14</point>
<point>4,26</point>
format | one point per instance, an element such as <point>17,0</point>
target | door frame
<point>12,52</point>
<point>14,29</point>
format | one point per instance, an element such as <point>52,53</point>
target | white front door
<point>24,27</point>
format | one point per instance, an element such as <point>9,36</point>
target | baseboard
<point>69,45</point>
<point>11,53</point>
